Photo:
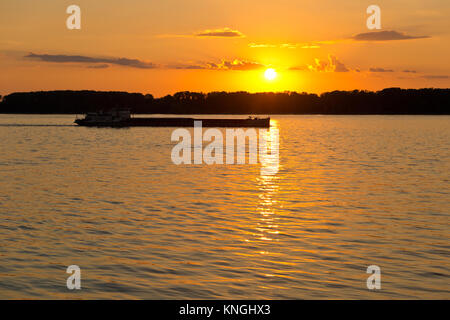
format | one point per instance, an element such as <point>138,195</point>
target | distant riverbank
<point>387,101</point>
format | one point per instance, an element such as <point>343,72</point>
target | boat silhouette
<point>123,118</point>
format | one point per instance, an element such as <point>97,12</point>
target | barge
<point>122,118</point>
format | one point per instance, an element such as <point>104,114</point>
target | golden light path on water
<point>268,186</point>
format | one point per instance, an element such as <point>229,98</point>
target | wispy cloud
<point>239,65</point>
<point>60,58</point>
<point>385,36</point>
<point>209,33</point>
<point>263,45</point>
<point>98,66</point>
<point>235,64</point>
<point>436,77</point>
<point>380,70</point>
<point>187,66</point>
<point>221,33</point>
<point>310,46</point>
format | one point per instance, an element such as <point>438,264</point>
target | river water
<point>350,192</point>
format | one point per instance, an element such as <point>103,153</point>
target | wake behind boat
<point>122,118</point>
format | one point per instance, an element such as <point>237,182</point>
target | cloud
<point>102,63</point>
<point>184,66</point>
<point>367,36</point>
<point>380,70</point>
<point>435,77</point>
<point>410,71</point>
<point>330,65</point>
<point>289,45</point>
<point>235,64</point>
<point>98,66</point>
<point>339,66</point>
<point>133,63</point>
<point>385,36</point>
<point>262,45</point>
<point>221,33</point>
<point>312,46</point>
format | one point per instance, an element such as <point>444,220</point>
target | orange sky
<point>162,47</point>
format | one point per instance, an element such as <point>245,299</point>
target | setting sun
<point>270,74</point>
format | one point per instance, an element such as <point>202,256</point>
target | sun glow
<point>270,74</point>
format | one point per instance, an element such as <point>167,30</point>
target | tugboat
<point>122,118</point>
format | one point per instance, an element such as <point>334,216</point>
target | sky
<point>162,47</point>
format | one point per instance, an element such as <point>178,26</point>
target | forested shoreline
<point>386,101</point>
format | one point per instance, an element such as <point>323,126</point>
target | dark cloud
<point>410,71</point>
<point>60,58</point>
<point>385,36</point>
<point>221,33</point>
<point>380,70</point>
<point>435,77</point>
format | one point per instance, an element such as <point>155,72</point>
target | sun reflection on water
<point>268,184</point>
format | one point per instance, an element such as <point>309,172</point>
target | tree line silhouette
<point>386,101</point>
